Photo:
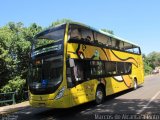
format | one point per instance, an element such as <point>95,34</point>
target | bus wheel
<point>99,95</point>
<point>135,84</point>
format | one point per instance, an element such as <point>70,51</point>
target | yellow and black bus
<point>73,63</point>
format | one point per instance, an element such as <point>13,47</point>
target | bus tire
<point>100,95</point>
<point>135,86</point>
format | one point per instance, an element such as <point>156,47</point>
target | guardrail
<point>7,97</point>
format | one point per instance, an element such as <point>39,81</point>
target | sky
<point>137,21</point>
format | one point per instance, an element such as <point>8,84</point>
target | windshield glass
<point>49,36</point>
<point>45,75</point>
<point>46,64</point>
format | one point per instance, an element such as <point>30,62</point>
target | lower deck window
<point>83,70</point>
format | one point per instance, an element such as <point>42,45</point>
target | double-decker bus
<point>73,63</point>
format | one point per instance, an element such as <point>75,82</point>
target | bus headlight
<point>60,93</point>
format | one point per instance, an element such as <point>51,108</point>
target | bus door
<point>77,82</point>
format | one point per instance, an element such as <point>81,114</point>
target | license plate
<point>42,104</point>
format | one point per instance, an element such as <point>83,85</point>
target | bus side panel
<point>84,92</point>
<point>136,60</point>
<point>114,84</point>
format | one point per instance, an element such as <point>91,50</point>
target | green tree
<point>151,61</point>
<point>6,62</point>
<point>108,31</point>
<point>31,31</point>
<point>15,44</point>
<point>24,47</point>
<point>17,85</point>
<point>147,65</point>
<point>60,21</point>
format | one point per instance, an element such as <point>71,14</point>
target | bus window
<point>75,33</point>
<point>127,68</point>
<point>115,43</point>
<point>136,50</point>
<point>109,42</point>
<point>74,72</point>
<point>87,34</point>
<point>101,70</point>
<point>123,68</point>
<point>80,33</point>
<point>120,68</point>
<point>78,71</point>
<point>121,45</point>
<point>110,68</point>
<point>97,68</point>
<point>93,67</point>
<point>102,39</point>
<point>128,47</point>
<point>131,48</point>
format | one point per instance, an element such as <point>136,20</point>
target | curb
<point>13,108</point>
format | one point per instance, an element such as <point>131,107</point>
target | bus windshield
<point>46,64</point>
<point>44,41</point>
<point>45,74</point>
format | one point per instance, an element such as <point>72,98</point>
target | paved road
<point>143,101</point>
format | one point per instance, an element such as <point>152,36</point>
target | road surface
<point>143,101</point>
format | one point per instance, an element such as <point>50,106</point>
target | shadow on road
<point>112,105</point>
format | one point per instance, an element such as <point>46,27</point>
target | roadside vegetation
<point>15,45</point>
<point>151,62</point>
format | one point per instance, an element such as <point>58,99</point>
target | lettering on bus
<point>47,49</point>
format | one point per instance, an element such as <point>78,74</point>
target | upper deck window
<point>80,33</point>
<point>102,39</point>
<point>86,35</point>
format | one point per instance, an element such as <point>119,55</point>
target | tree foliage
<point>15,44</point>
<point>108,31</point>
<point>60,22</point>
<point>17,84</point>
<point>151,61</point>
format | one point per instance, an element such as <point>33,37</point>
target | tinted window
<point>82,70</point>
<point>97,68</point>
<point>80,33</point>
<point>90,36</point>
<point>110,68</point>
